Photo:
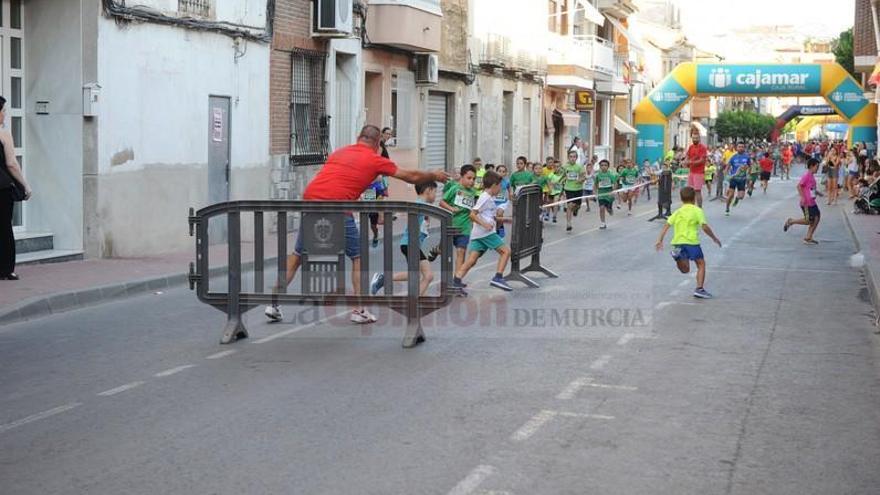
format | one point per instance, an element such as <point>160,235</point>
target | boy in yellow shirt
<point>686,223</point>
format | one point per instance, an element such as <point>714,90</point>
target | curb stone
<point>870,278</point>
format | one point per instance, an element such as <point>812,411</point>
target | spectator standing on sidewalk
<point>346,174</point>
<point>11,178</point>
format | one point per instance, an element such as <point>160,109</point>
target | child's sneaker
<point>603,226</point>
<point>500,283</point>
<point>362,316</point>
<point>377,282</point>
<point>554,218</point>
<point>375,243</point>
<point>501,231</point>
<point>702,294</point>
<point>273,313</point>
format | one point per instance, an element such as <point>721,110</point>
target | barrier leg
<point>516,275</point>
<point>234,330</point>
<point>535,266</point>
<point>414,334</point>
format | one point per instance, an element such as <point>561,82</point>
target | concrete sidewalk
<point>865,230</point>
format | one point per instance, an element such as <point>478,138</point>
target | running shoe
<point>629,213</point>
<point>702,294</point>
<point>375,243</point>
<point>501,231</point>
<point>786,226</point>
<point>554,218</point>
<point>727,213</point>
<point>362,316</point>
<point>500,283</point>
<point>273,313</point>
<point>458,284</point>
<point>376,283</point>
<point>568,229</point>
<point>603,226</point>
<point>811,242</point>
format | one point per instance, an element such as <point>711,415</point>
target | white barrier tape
<point>593,196</point>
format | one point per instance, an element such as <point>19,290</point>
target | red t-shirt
<point>766,164</point>
<point>347,173</point>
<point>698,153</point>
<point>787,155</point>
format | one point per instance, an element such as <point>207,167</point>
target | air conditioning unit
<point>331,18</point>
<point>427,69</point>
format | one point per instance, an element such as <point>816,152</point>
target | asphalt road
<point>611,379</point>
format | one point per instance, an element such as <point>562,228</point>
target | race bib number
<point>465,201</point>
<point>572,176</point>
<point>630,179</point>
<point>369,195</point>
<point>604,183</point>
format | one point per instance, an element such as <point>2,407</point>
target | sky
<point>703,19</point>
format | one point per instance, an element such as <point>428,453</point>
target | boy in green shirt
<point>460,199</point>
<point>573,185</point>
<point>628,178</point>
<point>523,176</point>
<point>606,183</point>
<point>686,223</point>
<point>554,188</point>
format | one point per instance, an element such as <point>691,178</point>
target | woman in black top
<point>9,170</point>
<point>387,134</point>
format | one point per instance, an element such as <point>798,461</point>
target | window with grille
<point>195,8</point>
<point>309,126</point>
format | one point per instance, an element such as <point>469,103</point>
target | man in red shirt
<point>787,157</point>
<point>697,155</point>
<point>344,177</point>
<point>766,169</point>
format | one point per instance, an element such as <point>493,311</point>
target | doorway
<point>507,128</point>
<point>218,159</point>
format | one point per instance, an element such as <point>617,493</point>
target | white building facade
<point>131,117</point>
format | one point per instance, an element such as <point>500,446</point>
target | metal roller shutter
<point>435,124</point>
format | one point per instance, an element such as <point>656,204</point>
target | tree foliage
<point>739,124</point>
<point>842,46</point>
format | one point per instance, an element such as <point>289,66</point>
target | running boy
<point>573,187</point>
<point>766,170</point>
<point>628,177</point>
<point>483,235</point>
<point>459,199</point>
<point>606,183</point>
<point>523,175</point>
<point>427,192</point>
<point>737,169</point>
<point>686,223</point>
<point>554,187</point>
<point>806,186</point>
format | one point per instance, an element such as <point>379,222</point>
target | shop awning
<point>569,118</point>
<point>622,127</point>
<point>700,127</point>
<point>591,13</point>
<point>633,42</point>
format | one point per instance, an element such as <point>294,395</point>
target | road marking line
<point>582,415</point>
<point>472,480</point>
<point>120,389</point>
<point>532,425</point>
<point>493,492</point>
<point>614,387</point>
<point>733,269</point>
<point>572,388</point>
<point>601,362</point>
<point>670,303</point>
<point>625,338</point>
<point>222,354</point>
<point>300,328</point>
<point>173,371</point>
<point>39,416</point>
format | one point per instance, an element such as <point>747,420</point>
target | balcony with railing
<point>579,57</point>
<point>498,52</point>
<point>412,25</point>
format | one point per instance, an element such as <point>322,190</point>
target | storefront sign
<point>584,101</point>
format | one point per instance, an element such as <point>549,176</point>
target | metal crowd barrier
<point>664,196</point>
<point>527,237</point>
<point>323,271</point>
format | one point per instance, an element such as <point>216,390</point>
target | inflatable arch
<point>689,79</point>
<point>797,111</point>
<point>803,128</point>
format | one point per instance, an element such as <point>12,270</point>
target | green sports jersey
<point>755,169</point>
<point>629,176</point>
<point>541,180</point>
<point>463,200</point>
<point>521,179</point>
<point>605,182</point>
<point>554,182</point>
<point>573,174</point>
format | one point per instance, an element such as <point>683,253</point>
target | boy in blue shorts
<point>484,216</point>
<point>686,223</point>
<point>459,199</point>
